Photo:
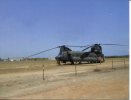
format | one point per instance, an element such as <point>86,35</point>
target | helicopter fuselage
<point>67,55</point>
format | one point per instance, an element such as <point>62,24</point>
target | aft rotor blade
<point>41,52</point>
<point>115,44</point>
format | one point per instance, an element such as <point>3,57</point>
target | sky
<point>31,26</point>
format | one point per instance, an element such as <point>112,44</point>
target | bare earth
<point>25,80</point>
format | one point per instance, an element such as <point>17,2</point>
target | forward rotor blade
<point>86,48</point>
<point>75,46</point>
<point>41,52</point>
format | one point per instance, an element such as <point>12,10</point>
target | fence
<point>109,63</point>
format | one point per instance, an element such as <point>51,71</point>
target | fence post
<point>112,64</point>
<point>124,63</point>
<point>43,72</point>
<point>96,65</point>
<point>75,70</point>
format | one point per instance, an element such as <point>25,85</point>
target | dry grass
<point>23,80</point>
<point>25,66</point>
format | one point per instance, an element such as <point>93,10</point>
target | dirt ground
<point>24,80</point>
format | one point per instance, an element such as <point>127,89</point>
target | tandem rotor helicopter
<point>93,55</point>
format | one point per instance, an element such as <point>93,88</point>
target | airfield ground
<point>24,80</point>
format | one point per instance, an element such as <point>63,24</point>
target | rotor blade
<point>86,48</point>
<point>115,44</point>
<point>75,46</point>
<point>42,52</point>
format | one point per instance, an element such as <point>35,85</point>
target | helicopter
<point>94,55</point>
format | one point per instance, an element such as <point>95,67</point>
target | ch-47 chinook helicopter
<point>94,55</point>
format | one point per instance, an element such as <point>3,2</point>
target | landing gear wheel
<point>58,62</point>
<point>72,62</point>
<point>93,58</point>
<point>79,62</point>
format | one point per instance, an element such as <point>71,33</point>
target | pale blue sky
<point>30,26</point>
